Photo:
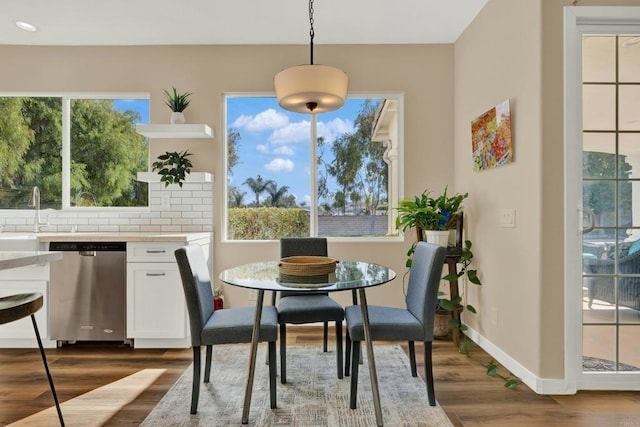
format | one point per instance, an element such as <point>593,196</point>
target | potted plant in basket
<point>173,167</point>
<point>177,102</point>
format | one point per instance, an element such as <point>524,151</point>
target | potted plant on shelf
<point>433,218</point>
<point>173,167</point>
<point>177,102</point>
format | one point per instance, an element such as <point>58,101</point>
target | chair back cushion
<point>424,281</point>
<point>293,246</point>
<point>197,288</point>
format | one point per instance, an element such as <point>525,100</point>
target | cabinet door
<point>23,328</point>
<point>155,301</point>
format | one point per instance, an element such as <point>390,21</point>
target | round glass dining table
<point>348,276</point>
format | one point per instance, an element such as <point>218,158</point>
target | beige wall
<point>424,73</point>
<point>520,58</point>
<point>498,59</point>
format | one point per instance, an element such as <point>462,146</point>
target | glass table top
<point>347,275</point>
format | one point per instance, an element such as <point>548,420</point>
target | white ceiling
<point>156,22</point>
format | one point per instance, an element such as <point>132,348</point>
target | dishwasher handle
<point>87,253</point>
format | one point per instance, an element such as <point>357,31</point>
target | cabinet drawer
<point>152,251</point>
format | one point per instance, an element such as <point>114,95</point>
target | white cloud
<point>279,165</point>
<point>241,121</point>
<point>335,128</point>
<point>285,150</point>
<point>266,120</point>
<point>261,148</point>
<point>291,133</point>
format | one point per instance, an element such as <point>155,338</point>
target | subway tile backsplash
<point>190,209</point>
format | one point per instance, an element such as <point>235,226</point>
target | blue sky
<point>139,105</point>
<point>275,143</point>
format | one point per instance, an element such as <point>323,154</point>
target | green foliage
<point>177,102</point>
<point>258,185</point>
<point>510,381</point>
<point>15,138</point>
<point>427,213</point>
<point>233,143</point>
<point>265,223</point>
<point>173,167</point>
<point>417,212</point>
<point>358,167</point>
<point>106,152</point>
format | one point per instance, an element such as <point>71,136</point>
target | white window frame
<point>65,152</point>
<point>397,158</point>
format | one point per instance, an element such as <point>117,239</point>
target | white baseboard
<point>535,383</point>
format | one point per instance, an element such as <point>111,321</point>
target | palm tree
<point>258,186</point>
<point>276,194</point>
<point>236,198</point>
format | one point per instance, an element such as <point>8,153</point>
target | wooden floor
<point>468,395</point>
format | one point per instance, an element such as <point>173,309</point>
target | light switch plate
<point>508,218</point>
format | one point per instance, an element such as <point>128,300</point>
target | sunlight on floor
<point>96,407</point>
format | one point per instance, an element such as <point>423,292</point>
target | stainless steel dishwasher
<point>87,292</point>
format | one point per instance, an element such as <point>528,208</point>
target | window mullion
<point>66,152</point>
<point>313,168</point>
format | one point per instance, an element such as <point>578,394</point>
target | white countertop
<point>22,259</point>
<point>108,237</point>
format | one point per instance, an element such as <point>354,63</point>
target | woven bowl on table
<point>307,265</point>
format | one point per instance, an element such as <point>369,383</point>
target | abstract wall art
<point>491,138</point>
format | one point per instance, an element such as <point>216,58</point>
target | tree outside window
<point>272,167</point>
<point>105,152</point>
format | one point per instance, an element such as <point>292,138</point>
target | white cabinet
<point>156,311</point>
<point>20,334</point>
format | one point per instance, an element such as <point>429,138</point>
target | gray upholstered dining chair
<point>413,323</point>
<point>298,308</point>
<point>210,327</point>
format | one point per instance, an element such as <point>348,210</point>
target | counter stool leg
<point>46,368</point>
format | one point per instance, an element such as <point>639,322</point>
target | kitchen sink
<point>21,242</point>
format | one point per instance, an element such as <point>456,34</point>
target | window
<point>279,184</point>
<point>79,151</point>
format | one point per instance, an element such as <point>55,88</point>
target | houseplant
<point>177,102</point>
<point>173,167</point>
<point>434,217</point>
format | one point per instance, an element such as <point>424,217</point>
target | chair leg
<point>195,387</point>
<point>339,349</point>
<point>412,359</point>
<point>428,369</point>
<point>354,374</point>
<point>272,373</point>
<point>207,363</point>
<point>283,353</point>
<point>46,368</point>
<point>347,353</point>
<point>326,336</point>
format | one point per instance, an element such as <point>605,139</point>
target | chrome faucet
<point>34,202</point>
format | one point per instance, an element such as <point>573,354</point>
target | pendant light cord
<point>311,32</point>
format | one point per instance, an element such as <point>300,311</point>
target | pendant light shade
<point>311,88</point>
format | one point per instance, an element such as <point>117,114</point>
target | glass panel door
<point>611,197</point>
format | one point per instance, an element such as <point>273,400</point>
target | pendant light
<point>311,88</point>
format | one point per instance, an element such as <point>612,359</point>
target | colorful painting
<point>491,138</point>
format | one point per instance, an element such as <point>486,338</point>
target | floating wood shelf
<point>175,131</point>
<point>192,177</point>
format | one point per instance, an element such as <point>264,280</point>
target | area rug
<point>313,395</point>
